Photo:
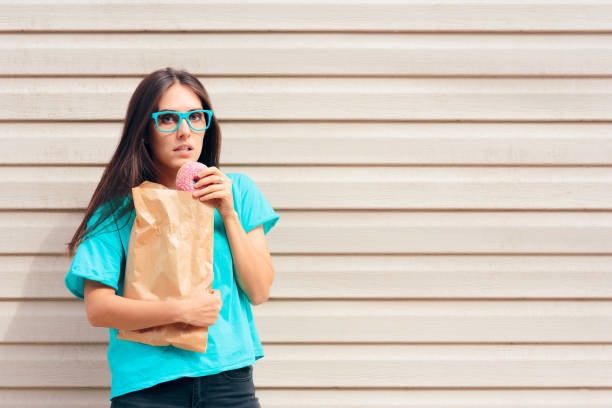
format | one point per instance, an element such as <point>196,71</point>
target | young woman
<point>153,146</point>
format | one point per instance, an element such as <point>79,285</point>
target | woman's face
<point>179,98</point>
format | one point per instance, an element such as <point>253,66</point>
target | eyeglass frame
<point>182,116</point>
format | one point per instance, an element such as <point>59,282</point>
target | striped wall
<point>442,171</point>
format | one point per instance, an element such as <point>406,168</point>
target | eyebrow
<point>176,110</point>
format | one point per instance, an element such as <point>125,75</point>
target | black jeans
<point>231,388</point>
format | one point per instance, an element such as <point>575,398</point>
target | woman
<point>153,147</point>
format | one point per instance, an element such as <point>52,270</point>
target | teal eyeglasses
<point>169,121</point>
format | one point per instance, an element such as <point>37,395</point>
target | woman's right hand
<point>201,306</point>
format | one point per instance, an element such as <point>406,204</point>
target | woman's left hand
<point>219,194</point>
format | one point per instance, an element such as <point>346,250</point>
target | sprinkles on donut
<point>188,175</point>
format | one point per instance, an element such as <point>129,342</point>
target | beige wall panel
<point>308,54</point>
<point>353,322</point>
<point>558,99</point>
<point>452,15</point>
<point>270,143</point>
<point>340,365</point>
<point>373,188</point>
<point>442,172</point>
<point>373,277</point>
<point>341,398</point>
<point>444,398</point>
<point>361,232</point>
<point>55,398</point>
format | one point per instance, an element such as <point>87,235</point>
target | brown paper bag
<point>170,253</point>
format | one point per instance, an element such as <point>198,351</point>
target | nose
<point>183,129</point>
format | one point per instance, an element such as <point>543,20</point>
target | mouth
<point>183,149</point>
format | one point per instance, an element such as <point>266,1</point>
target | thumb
<point>208,279</point>
<point>207,282</point>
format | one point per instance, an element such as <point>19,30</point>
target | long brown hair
<point>132,162</point>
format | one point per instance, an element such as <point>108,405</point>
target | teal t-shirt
<point>233,341</point>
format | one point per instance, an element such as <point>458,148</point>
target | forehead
<point>179,97</point>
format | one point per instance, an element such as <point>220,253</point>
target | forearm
<point>120,312</point>
<point>254,274</point>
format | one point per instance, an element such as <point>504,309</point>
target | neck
<point>168,180</point>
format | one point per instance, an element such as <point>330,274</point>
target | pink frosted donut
<point>188,175</point>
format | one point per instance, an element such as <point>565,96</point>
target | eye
<point>195,116</point>
<point>167,118</point>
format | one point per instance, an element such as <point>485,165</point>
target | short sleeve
<point>99,257</point>
<point>255,210</point>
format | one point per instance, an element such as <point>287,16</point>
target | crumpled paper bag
<point>169,254</point>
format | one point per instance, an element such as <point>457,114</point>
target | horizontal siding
<point>441,170</point>
<point>384,277</point>
<point>355,232</point>
<point>309,54</point>
<point>336,365</point>
<point>334,321</point>
<point>328,143</point>
<point>442,99</point>
<point>296,15</point>
<point>351,398</point>
<point>327,188</point>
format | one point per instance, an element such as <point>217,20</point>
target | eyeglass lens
<point>169,121</point>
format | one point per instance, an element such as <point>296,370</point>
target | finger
<point>211,179</point>
<point>209,170</point>
<point>208,190</point>
<point>212,195</point>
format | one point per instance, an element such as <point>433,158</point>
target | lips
<point>183,147</point>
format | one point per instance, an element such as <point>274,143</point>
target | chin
<point>182,160</point>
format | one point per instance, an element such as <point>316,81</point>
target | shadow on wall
<point>47,339</point>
